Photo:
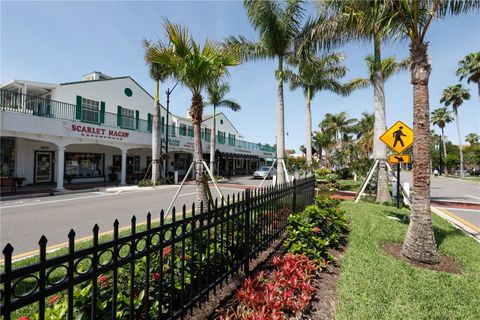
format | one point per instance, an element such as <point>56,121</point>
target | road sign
<point>399,158</point>
<point>399,137</point>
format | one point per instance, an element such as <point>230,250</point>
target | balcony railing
<point>23,103</point>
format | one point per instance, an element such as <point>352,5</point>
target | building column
<point>123,170</point>
<point>60,168</point>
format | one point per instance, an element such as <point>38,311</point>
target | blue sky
<point>61,41</point>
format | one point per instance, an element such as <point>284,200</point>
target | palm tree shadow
<point>402,217</point>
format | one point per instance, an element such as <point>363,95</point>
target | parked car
<point>263,171</point>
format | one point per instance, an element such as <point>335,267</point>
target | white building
<point>99,129</point>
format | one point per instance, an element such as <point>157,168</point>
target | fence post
<point>7,286</point>
<point>294,205</point>
<point>41,277</point>
<point>246,267</point>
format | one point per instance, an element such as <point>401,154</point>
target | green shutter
<point>78,109</point>
<point>102,112</point>
<point>119,116</point>
<point>149,122</point>
<point>137,119</point>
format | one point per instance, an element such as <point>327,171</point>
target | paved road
<point>23,222</point>
<point>449,189</point>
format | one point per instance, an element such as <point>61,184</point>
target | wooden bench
<point>9,182</point>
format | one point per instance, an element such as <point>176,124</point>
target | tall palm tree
<point>440,117</point>
<point>469,68</point>
<point>158,73</point>
<point>195,67</point>
<point>416,18</point>
<point>216,98</point>
<point>472,138</point>
<point>455,95</point>
<point>314,75</point>
<point>373,21</point>
<point>278,25</point>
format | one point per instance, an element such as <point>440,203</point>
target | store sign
<point>242,150</point>
<point>99,132</point>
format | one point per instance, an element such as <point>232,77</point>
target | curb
<point>47,194</point>
<point>456,223</point>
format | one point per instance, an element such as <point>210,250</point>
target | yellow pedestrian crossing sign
<point>399,158</point>
<point>399,137</point>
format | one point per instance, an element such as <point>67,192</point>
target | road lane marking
<point>186,194</point>
<point>53,201</point>
<point>471,225</point>
<point>468,195</point>
<point>450,208</point>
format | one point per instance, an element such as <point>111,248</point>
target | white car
<point>263,171</point>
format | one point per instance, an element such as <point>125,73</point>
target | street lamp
<point>166,131</point>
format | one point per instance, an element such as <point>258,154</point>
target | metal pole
<point>398,185</point>
<point>441,161</point>
<point>166,130</point>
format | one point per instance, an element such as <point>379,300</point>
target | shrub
<point>319,227</point>
<point>277,294</point>
<point>344,173</point>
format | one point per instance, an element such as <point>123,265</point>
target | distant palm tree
<point>278,25</point>
<point>314,75</point>
<point>364,129</point>
<point>158,73</point>
<point>323,141</point>
<point>455,95</point>
<point>416,18</point>
<point>469,68</point>
<point>339,126</point>
<point>196,68</point>
<point>216,98</point>
<point>472,138</point>
<point>440,117</point>
<point>375,22</point>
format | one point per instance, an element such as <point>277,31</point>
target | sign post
<point>398,138</point>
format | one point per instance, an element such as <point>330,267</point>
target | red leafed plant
<point>274,295</point>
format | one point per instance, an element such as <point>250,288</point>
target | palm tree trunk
<point>201,187</point>
<point>380,125</point>
<point>308,131</point>
<point>444,153</point>
<point>212,142</point>
<point>460,149</point>
<point>280,125</point>
<point>419,242</point>
<point>156,137</point>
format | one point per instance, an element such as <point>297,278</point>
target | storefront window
<point>7,157</point>
<point>83,165</point>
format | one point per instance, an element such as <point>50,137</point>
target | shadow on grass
<point>403,217</point>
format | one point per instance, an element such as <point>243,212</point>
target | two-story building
<point>99,129</point>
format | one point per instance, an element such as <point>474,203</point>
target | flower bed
<point>287,288</point>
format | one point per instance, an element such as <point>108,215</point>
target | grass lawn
<point>374,285</point>
<point>349,185</point>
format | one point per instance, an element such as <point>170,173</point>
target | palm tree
<point>158,73</point>
<point>440,117</point>
<point>455,95</point>
<point>216,98</point>
<point>196,68</point>
<point>364,129</point>
<point>369,21</point>
<point>339,126</point>
<point>278,26</point>
<point>323,141</point>
<point>472,138</point>
<point>416,17</point>
<point>314,75</point>
<point>469,68</point>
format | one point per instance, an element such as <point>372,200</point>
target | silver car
<point>263,171</point>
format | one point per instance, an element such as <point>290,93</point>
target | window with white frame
<point>90,110</point>
<point>128,116</point>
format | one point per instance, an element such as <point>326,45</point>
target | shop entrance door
<point>43,166</point>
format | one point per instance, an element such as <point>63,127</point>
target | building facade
<point>99,129</point>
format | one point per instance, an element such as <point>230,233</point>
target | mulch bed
<point>322,305</point>
<point>446,264</point>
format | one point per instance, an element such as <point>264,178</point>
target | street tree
<point>416,18</point>
<point>440,117</point>
<point>196,67</point>
<point>472,138</point>
<point>158,73</point>
<point>469,68</point>
<point>455,95</point>
<point>278,25</point>
<point>216,98</point>
<point>316,74</point>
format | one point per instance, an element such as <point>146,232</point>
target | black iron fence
<point>161,272</point>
